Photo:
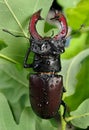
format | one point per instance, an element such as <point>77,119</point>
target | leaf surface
<point>81,115</point>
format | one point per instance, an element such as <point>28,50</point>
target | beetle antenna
<point>5,30</point>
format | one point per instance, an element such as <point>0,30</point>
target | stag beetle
<point>46,85</point>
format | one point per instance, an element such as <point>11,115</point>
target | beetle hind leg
<point>64,90</point>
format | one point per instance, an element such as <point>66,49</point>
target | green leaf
<point>76,45</point>
<point>14,85</point>
<point>14,80</point>
<point>18,15</point>
<point>15,17</point>
<point>68,3</point>
<point>44,125</point>
<point>70,69</point>
<point>81,88</point>
<point>80,117</point>
<point>7,122</point>
<point>80,12</point>
<point>2,45</point>
<point>28,120</point>
<point>6,118</point>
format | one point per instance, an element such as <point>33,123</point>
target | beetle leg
<point>64,90</point>
<point>26,65</point>
<point>65,109</point>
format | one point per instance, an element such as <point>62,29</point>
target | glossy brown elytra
<point>45,94</point>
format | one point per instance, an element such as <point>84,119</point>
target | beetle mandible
<point>46,86</point>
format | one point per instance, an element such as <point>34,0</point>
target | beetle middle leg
<point>26,65</point>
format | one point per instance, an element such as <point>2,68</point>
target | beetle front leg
<point>26,65</point>
<point>64,90</point>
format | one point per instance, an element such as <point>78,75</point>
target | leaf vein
<point>14,16</point>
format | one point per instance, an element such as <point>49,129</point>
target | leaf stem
<point>10,9</point>
<point>76,117</point>
<point>63,123</point>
